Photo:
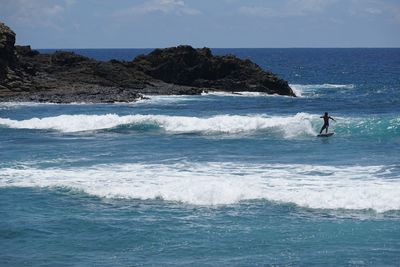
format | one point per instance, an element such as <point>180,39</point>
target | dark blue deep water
<point>211,180</point>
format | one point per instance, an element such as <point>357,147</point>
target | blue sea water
<point>211,180</point>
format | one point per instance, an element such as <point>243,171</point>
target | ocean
<point>211,180</point>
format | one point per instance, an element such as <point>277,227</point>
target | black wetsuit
<point>326,123</point>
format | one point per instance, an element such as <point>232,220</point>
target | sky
<point>200,23</point>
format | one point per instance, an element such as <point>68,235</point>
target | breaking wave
<point>300,124</point>
<point>240,93</point>
<point>307,90</point>
<point>311,186</point>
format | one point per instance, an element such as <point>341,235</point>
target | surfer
<point>326,118</point>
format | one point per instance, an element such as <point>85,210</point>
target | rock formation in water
<point>64,77</point>
<point>185,65</point>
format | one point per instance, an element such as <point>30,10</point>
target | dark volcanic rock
<point>64,77</point>
<point>7,41</point>
<point>185,65</point>
<point>25,51</point>
<point>12,76</point>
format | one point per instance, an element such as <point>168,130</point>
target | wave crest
<point>304,90</point>
<point>295,126</point>
<point>290,126</point>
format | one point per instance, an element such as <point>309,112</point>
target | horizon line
<point>305,47</point>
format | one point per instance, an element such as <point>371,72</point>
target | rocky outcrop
<point>185,65</point>
<point>12,77</point>
<point>64,77</point>
<point>7,41</point>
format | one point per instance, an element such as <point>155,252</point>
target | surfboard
<point>325,135</point>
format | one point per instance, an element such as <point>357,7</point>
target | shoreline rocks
<point>65,77</point>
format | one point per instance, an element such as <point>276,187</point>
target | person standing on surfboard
<point>326,118</point>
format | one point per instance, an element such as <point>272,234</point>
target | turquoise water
<point>211,180</point>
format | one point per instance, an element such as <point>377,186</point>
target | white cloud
<point>34,14</point>
<point>53,10</point>
<point>257,11</point>
<point>335,10</point>
<point>375,8</point>
<point>372,10</point>
<point>289,8</point>
<point>380,9</point>
<point>69,3</point>
<point>396,14</point>
<point>177,7</point>
<point>304,6</point>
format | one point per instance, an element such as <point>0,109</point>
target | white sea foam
<point>241,93</point>
<point>300,90</point>
<point>160,99</point>
<point>304,90</point>
<point>13,105</point>
<point>324,86</point>
<point>297,90</point>
<point>312,186</point>
<point>288,126</point>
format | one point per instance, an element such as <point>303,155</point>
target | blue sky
<point>211,23</point>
